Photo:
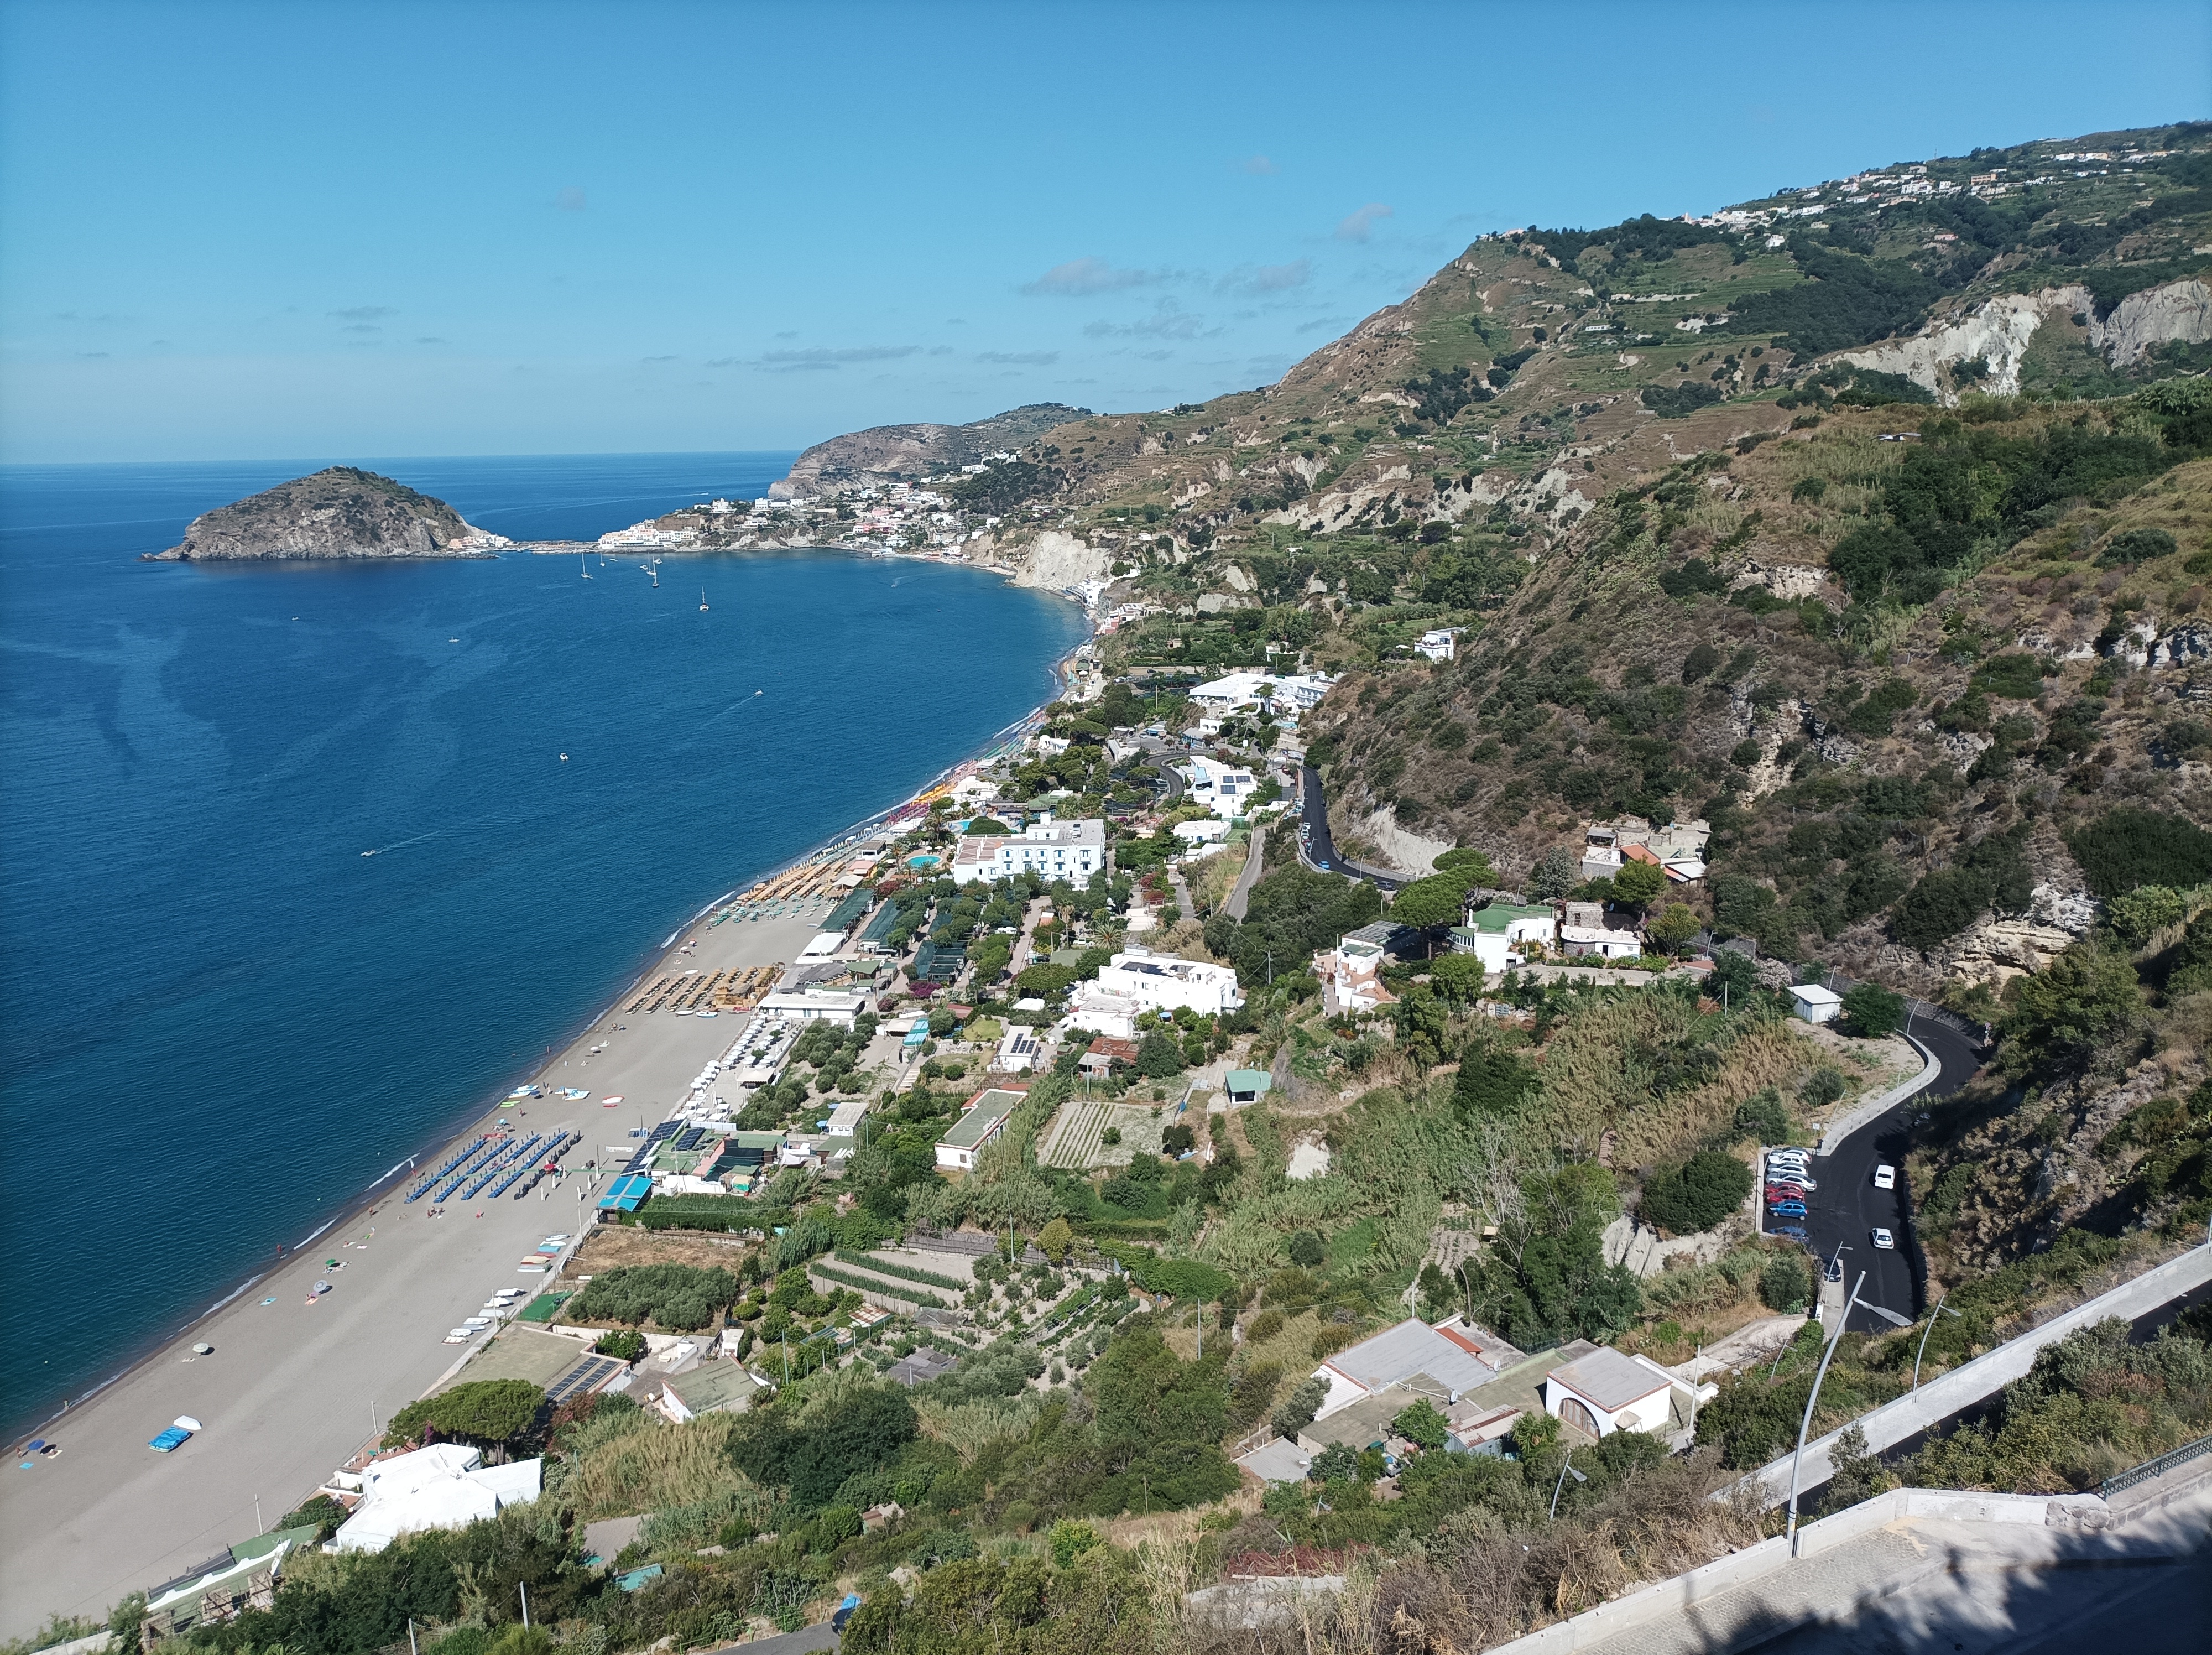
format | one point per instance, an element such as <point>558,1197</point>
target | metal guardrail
<point>2159,1467</point>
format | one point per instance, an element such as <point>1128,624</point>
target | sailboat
<point>656,575</point>
<point>702,600</point>
<point>583,565</point>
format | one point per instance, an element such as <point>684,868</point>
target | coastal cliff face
<point>902,453</point>
<point>342,512</point>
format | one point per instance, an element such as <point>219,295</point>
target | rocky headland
<point>340,513</point>
<point>889,454</point>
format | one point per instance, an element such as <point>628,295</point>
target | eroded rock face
<point>340,513</point>
<point>1998,950</point>
<point>1057,561</point>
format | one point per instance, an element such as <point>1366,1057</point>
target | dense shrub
<point>2127,847</point>
<point>677,1296</point>
<point>1696,1195</point>
<point>1680,401</point>
<point>1785,1284</point>
<point>491,1412</point>
<point>860,1433</point>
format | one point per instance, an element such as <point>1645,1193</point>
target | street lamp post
<point>1566,1467</point>
<point>1933,1316</point>
<point>1797,1460</point>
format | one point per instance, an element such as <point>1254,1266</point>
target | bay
<point>219,1020</point>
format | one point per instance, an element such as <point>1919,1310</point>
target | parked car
<point>1885,1241</point>
<point>1885,1177</point>
<point>1788,1209</point>
<point>1796,1232</point>
<point>1784,1192</point>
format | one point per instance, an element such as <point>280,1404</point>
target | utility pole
<point>522,1587</point>
<point>1797,1460</point>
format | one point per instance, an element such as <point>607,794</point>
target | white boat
<point>584,565</point>
<point>702,600</point>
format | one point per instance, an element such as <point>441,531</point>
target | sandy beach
<point>289,1392</point>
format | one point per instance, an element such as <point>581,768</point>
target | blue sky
<point>233,231</point>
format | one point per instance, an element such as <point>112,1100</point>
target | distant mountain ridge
<point>339,512</point>
<point>889,454</point>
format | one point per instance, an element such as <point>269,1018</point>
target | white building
<point>1602,1391</point>
<point>1437,643</point>
<point>1816,1004</point>
<point>1018,1050</point>
<point>1498,934</point>
<point>1295,694</point>
<point>445,1486</point>
<point>1351,974</point>
<point>1160,982</point>
<point>1223,790</point>
<point>1100,1012</point>
<point>1211,832</point>
<point>984,1119</point>
<point>1056,850</point>
<point>1588,941</point>
<point>813,1006</point>
<point>1443,1363</point>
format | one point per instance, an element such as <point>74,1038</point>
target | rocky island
<point>342,512</point>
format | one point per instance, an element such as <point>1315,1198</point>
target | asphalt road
<point>1316,849</point>
<point>1241,896</point>
<point>1846,1210</point>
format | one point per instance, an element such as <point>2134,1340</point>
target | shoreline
<point>365,1201</point>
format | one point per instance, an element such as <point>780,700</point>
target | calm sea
<point>218,1020</point>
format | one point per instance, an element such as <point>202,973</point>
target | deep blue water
<point>218,1020</point>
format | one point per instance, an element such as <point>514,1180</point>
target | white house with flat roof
<point>1295,693</point>
<point>1438,642</point>
<point>1222,789</point>
<point>1497,935</point>
<point>984,1119</point>
<point>1816,1004</point>
<point>811,1007</point>
<point>1056,850</point>
<point>1160,982</point>
<point>1603,1391</point>
<point>1442,1362</point>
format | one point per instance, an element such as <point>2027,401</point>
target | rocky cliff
<point>895,453</point>
<point>339,512</point>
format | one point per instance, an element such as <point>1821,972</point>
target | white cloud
<point>365,313</point>
<point>1168,320</point>
<point>1358,226</point>
<point>817,360</point>
<point>1020,358</point>
<point>1266,278</point>
<point>1079,277</point>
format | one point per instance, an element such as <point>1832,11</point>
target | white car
<point>1884,1177</point>
<point>1884,1242</point>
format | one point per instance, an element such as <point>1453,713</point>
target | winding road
<point>1316,849</point>
<point>1846,1210</point>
